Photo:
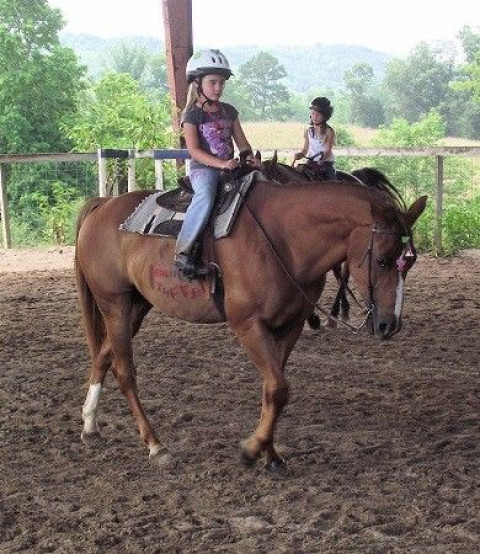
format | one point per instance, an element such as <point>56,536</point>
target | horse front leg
<point>269,351</point>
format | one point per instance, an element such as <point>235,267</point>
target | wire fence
<point>46,191</point>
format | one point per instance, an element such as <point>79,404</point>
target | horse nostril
<point>383,328</point>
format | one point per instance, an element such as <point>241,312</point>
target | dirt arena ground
<point>381,439</point>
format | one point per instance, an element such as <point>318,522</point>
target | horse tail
<point>93,320</point>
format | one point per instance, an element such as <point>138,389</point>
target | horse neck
<point>317,222</point>
<point>283,173</point>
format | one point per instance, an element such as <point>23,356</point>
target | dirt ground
<point>381,438</point>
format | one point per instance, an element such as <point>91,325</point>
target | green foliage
<point>471,81</point>
<point>461,225</point>
<point>415,176</point>
<point>127,58</point>
<point>419,83</point>
<point>470,42</point>
<point>117,114</point>
<point>266,97</point>
<point>39,79</point>
<point>58,214</point>
<point>145,67</point>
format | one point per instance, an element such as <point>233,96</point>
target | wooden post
<point>439,207</point>
<point>102,173</point>
<point>159,175</point>
<point>177,19</point>
<point>7,238</point>
<point>132,183</point>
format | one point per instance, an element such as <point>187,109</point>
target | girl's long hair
<point>192,97</point>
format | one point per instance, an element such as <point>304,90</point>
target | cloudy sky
<point>377,24</point>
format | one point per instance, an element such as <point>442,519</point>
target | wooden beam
<point>177,19</point>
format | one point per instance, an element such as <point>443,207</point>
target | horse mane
<point>366,177</point>
<point>375,179</point>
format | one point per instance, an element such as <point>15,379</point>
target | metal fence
<point>110,172</point>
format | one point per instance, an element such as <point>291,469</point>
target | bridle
<point>408,251</point>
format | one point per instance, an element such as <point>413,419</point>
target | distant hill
<point>313,67</point>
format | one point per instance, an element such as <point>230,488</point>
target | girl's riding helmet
<point>207,62</point>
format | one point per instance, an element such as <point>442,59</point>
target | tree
<point>154,78</point>
<point>117,114</point>
<point>464,109</point>
<point>365,107</point>
<point>126,57</point>
<point>470,43</point>
<point>419,83</point>
<point>39,79</point>
<point>267,97</point>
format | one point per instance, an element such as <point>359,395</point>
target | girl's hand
<point>230,164</point>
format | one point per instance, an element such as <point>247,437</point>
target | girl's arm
<point>329,142</point>
<point>304,150</point>
<point>239,137</point>
<point>190,133</point>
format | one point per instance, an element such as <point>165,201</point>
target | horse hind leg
<point>104,361</point>
<point>100,365</point>
<point>118,320</point>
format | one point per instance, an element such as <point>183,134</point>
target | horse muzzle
<point>384,326</point>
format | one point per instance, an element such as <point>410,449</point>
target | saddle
<point>179,199</point>
<point>162,213</point>
<point>313,171</point>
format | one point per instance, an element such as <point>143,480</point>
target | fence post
<point>7,238</point>
<point>102,173</point>
<point>132,182</point>
<point>439,207</point>
<point>159,175</point>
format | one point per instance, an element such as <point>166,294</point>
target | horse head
<point>379,257</point>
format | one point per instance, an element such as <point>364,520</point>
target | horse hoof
<point>162,460</point>
<point>246,460</point>
<point>277,467</point>
<point>313,322</point>
<point>90,439</point>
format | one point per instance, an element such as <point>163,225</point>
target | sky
<point>377,24</point>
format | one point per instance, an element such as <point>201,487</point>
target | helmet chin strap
<point>208,100</point>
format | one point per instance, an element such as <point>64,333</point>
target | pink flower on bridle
<point>407,252</point>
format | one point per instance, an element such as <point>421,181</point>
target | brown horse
<point>273,266</point>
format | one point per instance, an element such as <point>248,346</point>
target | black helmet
<point>323,106</point>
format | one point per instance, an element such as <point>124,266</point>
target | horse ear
<point>416,210</point>
<point>275,157</point>
<point>258,155</point>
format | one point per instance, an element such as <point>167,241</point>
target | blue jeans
<point>205,184</point>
